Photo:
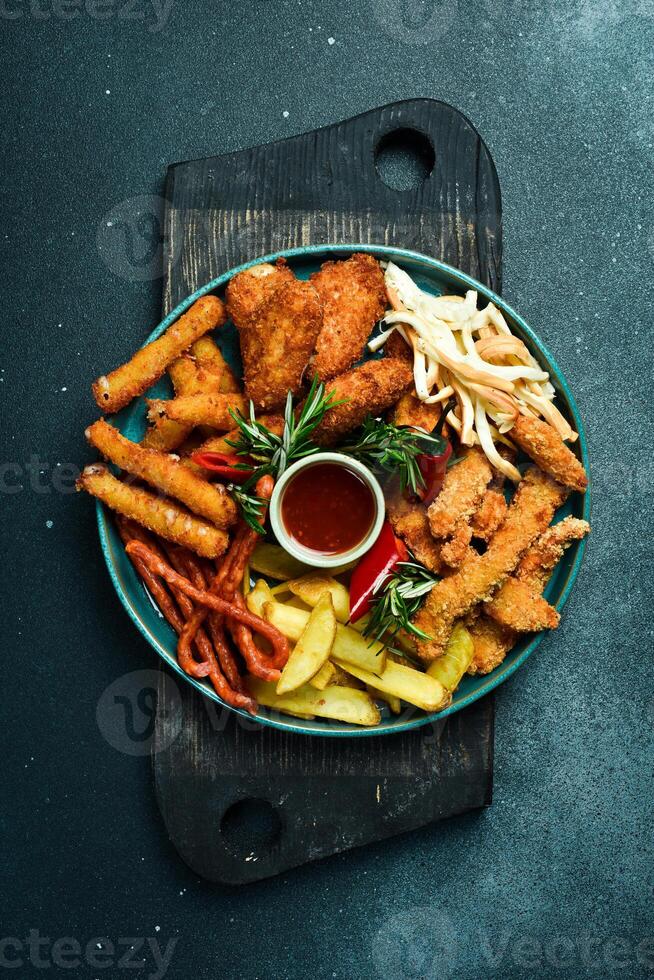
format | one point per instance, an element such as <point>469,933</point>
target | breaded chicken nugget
<point>369,389</point>
<point>492,642</point>
<point>353,295</point>
<point>530,512</point>
<point>248,290</point>
<point>544,445</point>
<point>409,522</point>
<point>518,603</point>
<point>277,342</point>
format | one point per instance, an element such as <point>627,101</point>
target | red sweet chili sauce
<point>328,508</point>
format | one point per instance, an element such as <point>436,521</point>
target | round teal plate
<point>437,278</point>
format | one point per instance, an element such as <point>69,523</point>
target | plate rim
<point>497,676</point>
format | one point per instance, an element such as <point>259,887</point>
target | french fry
<point>274,562</point>
<point>348,644</point>
<point>258,596</point>
<point>312,648</point>
<point>165,473</point>
<point>403,682</point>
<point>309,588</point>
<point>208,355</point>
<point>188,379</point>
<point>115,390</point>
<point>164,517</point>
<point>203,409</point>
<point>393,703</point>
<point>450,668</point>
<point>324,677</point>
<point>341,703</point>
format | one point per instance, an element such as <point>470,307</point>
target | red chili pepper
<point>223,464</point>
<point>433,469</point>
<point>374,570</point>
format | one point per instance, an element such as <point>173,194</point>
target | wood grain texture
<point>329,794</point>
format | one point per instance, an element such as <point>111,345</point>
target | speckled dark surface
<point>555,879</point>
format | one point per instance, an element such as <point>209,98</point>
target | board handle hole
<point>250,827</point>
<point>404,158</point>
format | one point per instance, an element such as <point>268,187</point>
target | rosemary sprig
<point>394,449</point>
<point>275,453</point>
<point>250,505</point>
<point>398,601</point>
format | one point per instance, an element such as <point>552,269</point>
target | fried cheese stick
<point>188,378</point>
<point>530,512</point>
<point>164,517</point>
<point>115,390</point>
<point>165,473</point>
<point>205,409</point>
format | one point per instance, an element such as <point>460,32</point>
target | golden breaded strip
<point>212,410</point>
<point>117,389</point>
<point>463,489</point>
<point>492,642</point>
<point>165,473</point>
<point>208,355</point>
<point>530,512</point>
<point>188,379</point>
<point>396,346</point>
<point>520,607</point>
<point>537,564</point>
<point>164,517</point>
<point>518,603</point>
<point>353,295</point>
<point>409,522</point>
<point>492,511</point>
<point>544,445</point>
<point>369,389</point>
<point>411,411</point>
<point>277,342</point>
<point>247,291</point>
<point>455,549</point>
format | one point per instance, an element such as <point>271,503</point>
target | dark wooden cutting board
<point>243,802</point>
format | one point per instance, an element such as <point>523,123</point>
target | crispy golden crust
<point>411,411</point>
<point>463,489</point>
<point>113,391</point>
<point>409,522</point>
<point>247,291</point>
<point>164,473</point>
<point>208,355</point>
<point>353,295</point>
<point>455,549</point>
<point>188,378</point>
<point>492,643</point>
<point>277,342</point>
<point>164,517</point>
<point>492,511</point>
<point>518,603</point>
<point>544,445</point>
<point>205,409</point>
<point>530,512</point>
<point>396,346</point>
<point>369,389</point>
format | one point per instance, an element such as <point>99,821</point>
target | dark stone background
<point>555,879</point>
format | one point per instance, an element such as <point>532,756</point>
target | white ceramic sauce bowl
<point>307,555</point>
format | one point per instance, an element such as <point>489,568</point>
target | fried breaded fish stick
<point>164,517</point>
<point>463,489</point>
<point>248,290</point>
<point>544,445</point>
<point>277,342</point>
<point>353,296</point>
<point>518,603</point>
<point>369,389</point>
<point>489,515</point>
<point>165,473</point>
<point>188,379</point>
<point>530,512</point>
<point>114,391</point>
<point>409,522</point>
<point>206,409</point>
